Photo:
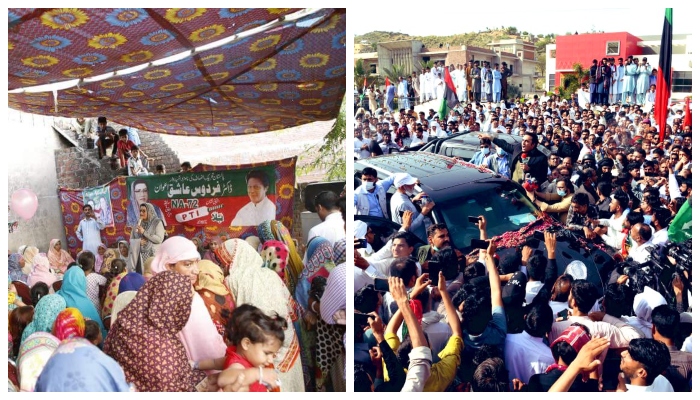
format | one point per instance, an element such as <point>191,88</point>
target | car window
<point>505,207</point>
<point>464,153</point>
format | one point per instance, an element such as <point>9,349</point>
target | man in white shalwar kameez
<point>643,71</point>
<point>618,81</point>
<point>425,89</point>
<point>497,84</point>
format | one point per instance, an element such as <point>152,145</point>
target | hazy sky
<point>539,18</point>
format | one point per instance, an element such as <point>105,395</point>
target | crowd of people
<point>173,313</point>
<point>482,322</point>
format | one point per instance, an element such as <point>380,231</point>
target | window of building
<point>682,82</point>
<point>612,48</point>
<point>373,68</point>
<point>553,53</point>
<point>552,81</point>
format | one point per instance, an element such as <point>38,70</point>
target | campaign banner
<point>244,197</point>
<point>99,199</point>
<point>280,173</point>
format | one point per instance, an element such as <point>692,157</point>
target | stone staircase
<point>79,167</point>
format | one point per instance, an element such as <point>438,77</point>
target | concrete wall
<point>30,165</point>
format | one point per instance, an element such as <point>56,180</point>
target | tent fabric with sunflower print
<point>286,76</point>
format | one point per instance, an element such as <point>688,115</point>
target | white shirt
<point>525,356</point>
<point>531,290</point>
<point>660,384</point>
<point>332,229</point>
<point>641,253</point>
<point>255,214</point>
<point>359,152</point>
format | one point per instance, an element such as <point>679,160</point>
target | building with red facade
<point>584,48</point>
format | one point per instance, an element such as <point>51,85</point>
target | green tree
<point>511,30</point>
<point>426,64</point>
<point>570,83</point>
<point>330,157</point>
<point>394,73</point>
<point>360,74</point>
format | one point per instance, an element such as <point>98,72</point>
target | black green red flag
<point>449,99</point>
<point>663,81</point>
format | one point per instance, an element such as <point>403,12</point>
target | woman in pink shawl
<point>200,337</point>
<point>41,272</point>
<point>58,258</point>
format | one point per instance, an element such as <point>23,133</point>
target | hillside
<point>478,39</point>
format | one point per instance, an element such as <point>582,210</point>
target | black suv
<point>460,190</point>
<point>465,144</point>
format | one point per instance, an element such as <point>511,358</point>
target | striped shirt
<point>333,298</point>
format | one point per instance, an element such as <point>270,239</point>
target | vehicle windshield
<point>504,204</point>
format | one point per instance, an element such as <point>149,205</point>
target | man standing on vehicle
<point>370,198</point>
<point>402,201</point>
<point>527,160</point>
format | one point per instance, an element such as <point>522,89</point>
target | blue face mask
<point>501,152</point>
<point>561,193</point>
<point>485,151</point>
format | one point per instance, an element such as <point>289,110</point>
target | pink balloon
<point>24,203</point>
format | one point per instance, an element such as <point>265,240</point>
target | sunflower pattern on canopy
<point>287,76</point>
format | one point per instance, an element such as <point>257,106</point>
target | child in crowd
<point>254,339</point>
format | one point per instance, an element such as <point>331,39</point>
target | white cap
<point>403,179</point>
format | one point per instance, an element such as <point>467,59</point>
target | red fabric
<point>234,358</point>
<point>417,309</point>
<point>688,119</point>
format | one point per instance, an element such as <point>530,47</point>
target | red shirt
<point>234,358</point>
<point>121,146</point>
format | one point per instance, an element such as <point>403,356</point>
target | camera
<point>681,252</point>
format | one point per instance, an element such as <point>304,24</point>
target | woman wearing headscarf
<point>123,250</point>
<point>251,283</point>
<point>79,366</point>
<point>15,262</point>
<point>99,257</point>
<point>319,262</point>
<point>121,302</point>
<point>69,323</point>
<point>74,291</point>
<point>146,237</point>
<point>275,255</point>
<point>28,253</point>
<point>217,298</point>
<point>275,230</point>
<point>210,252</point>
<point>34,353</point>
<point>131,282</point>
<point>200,337</point>
<point>144,340</point>
<point>45,313</point>
<point>58,258</point>
<point>41,272</point>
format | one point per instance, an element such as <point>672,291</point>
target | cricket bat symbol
<point>196,213</point>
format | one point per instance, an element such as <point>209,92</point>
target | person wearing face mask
<point>562,199</point>
<point>370,197</point>
<point>499,162</point>
<point>485,150</point>
<point>403,200</point>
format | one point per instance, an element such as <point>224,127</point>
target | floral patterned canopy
<point>289,75</point>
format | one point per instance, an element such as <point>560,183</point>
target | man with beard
<point>611,229</point>
<point>568,147</point>
<point>526,159</point>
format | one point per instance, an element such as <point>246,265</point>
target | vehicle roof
<point>441,177</point>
